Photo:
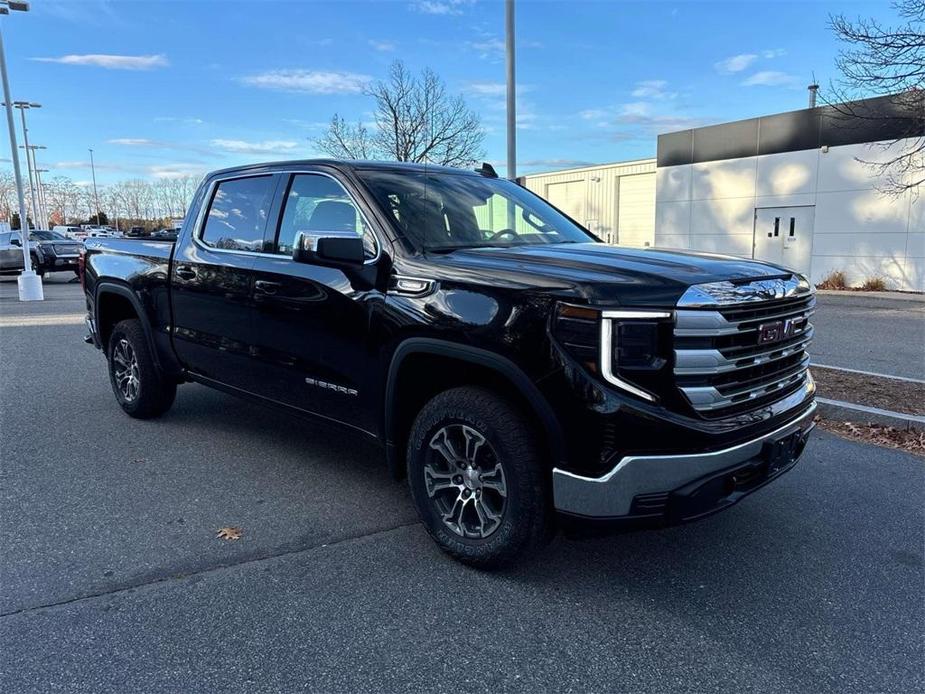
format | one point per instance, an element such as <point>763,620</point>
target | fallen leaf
<point>229,533</point>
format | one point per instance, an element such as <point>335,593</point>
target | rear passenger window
<point>316,203</point>
<point>238,214</point>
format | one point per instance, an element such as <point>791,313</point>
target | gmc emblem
<point>780,330</point>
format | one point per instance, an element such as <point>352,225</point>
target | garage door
<point>636,210</point>
<point>569,197</point>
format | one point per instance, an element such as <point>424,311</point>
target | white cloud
<point>175,119</point>
<point>440,7</point>
<point>133,141</point>
<point>175,170</point>
<point>383,46</point>
<point>263,147</point>
<point>774,53</point>
<point>770,78</point>
<point>111,62</point>
<point>488,47</point>
<point>309,81</point>
<point>736,63</point>
<point>653,89</point>
<point>492,90</point>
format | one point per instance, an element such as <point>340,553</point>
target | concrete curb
<point>850,412</point>
<point>898,296</point>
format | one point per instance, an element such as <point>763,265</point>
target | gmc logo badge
<point>780,330</point>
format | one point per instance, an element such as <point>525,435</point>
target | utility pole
<point>30,284</point>
<point>96,195</point>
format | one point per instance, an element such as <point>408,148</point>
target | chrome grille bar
<point>725,366</point>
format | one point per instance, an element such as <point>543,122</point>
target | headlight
<point>628,348</point>
<point>630,341</point>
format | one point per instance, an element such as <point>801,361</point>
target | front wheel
<point>477,477</point>
<point>139,386</point>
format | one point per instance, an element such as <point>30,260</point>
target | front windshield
<point>46,236</point>
<point>442,212</point>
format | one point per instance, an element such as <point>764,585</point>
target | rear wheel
<point>139,386</point>
<point>477,478</point>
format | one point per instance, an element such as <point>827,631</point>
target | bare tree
<point>345,141</point>
<point>889,62</point>
<point>415,119</point>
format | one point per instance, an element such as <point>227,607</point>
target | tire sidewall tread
<point>527,518</point>
<point>155,392</point>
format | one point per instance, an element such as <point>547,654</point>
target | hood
<point>601,273</point>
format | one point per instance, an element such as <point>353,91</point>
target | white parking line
<point>48,319</point>
<point>872,410</point>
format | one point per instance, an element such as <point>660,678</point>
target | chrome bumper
<point>612,494</point>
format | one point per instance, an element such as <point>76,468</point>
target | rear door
<point>784,236</point>
<point>212,280</point>
<point>313,344</point>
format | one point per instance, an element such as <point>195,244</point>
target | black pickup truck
<point>518,370</point>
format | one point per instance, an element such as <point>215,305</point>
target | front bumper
<point>681,487</point>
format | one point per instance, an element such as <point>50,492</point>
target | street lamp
<point>39,190</point>
<point>96,195</point>
<point>23,106</point>
<point>30,284</point>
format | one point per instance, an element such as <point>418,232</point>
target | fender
<point>110,287</point>
<point>482,357</point>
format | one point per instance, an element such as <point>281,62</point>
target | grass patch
<point>873,284</point>
<point>834,280</point>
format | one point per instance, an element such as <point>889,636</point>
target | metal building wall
<point>591,195</point>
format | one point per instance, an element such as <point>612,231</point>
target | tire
<point>37,266</point>
<point>145,393</point>
<point>492,529</point>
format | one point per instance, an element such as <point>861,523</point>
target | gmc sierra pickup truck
<point>514,367</point>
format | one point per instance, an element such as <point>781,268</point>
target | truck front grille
<point>727,356</point>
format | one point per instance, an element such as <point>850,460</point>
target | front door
<point>784,236</point>
<point>313,348</point>
<point>212,280</point>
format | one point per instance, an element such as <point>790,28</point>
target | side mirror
<point>16,242</point>
<point>328,248</point>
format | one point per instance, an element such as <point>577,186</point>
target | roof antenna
<point>487,170</point>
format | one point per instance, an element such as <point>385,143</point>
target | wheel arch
<point>115,302</point>
<point>499,371</point>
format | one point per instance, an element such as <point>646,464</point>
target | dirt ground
<point>885,393</point>
<point>910,440</point>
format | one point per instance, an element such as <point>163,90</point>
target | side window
<point>317,203</point>
<point>238,214</point>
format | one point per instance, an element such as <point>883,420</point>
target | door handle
<point>185,272</point>
<point>268,288</point>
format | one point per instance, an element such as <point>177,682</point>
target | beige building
<point>615,201</point>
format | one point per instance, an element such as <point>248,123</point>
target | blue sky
<point>165,88</point>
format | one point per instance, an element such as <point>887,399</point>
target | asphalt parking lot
<point>112,579</point>
<point>884,334</point>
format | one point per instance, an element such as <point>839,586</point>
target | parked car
<point>55,252</point>
<point>513,366</point>
<point>136,231</point>
<point>11,260</point>
<point>165,234</point>
<point>72,232</point>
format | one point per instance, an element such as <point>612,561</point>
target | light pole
<point>30,284</point>
<point>511,91</point>
<point>38,193</point>
<point>23,106</point>
<point>96,195</point>
<point>42,203</point>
